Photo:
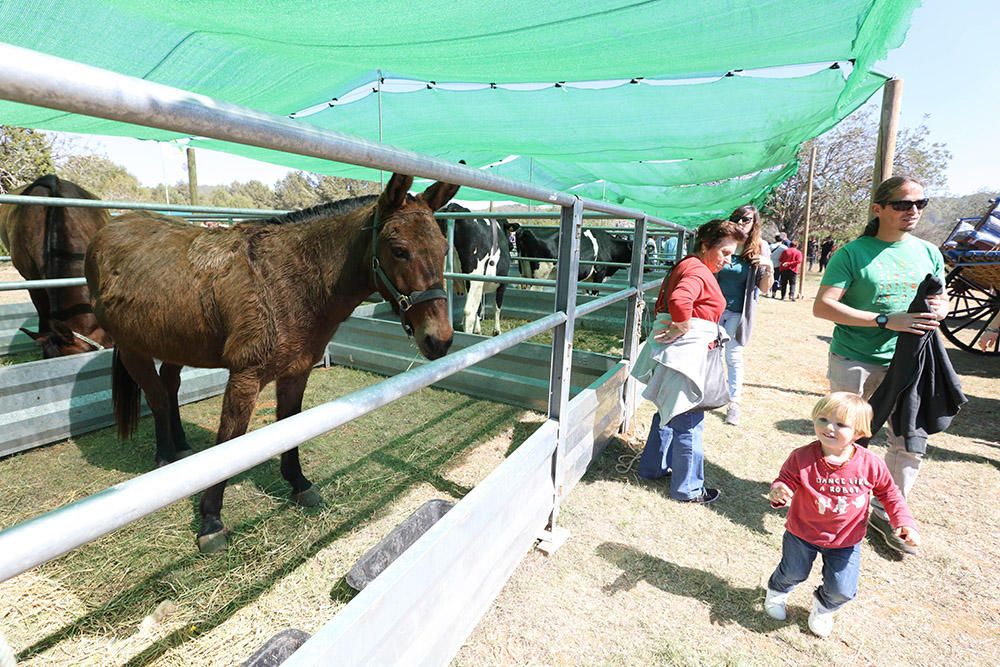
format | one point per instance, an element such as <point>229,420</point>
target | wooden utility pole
<point>192,177</point>
<point>805,235</point>
<point>885,151</point>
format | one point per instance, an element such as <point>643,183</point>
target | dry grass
<point>647,581</point>
<point>642,581</point>
<point>143,595</point>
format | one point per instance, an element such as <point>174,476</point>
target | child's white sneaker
<point>820,619</point>
<point>774,604</point>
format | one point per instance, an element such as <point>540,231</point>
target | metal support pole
<point>885,150</point>
<point>805,235</point>
<point>633,319</point>
<point>192,176</point>
<point>567,272</point>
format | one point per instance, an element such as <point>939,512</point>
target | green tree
<point>24,156</point>
<point>296,190</point>
<point>334,188</point>
<point>106,179</point>
<point>843,177</point>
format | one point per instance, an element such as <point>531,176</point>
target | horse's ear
<point>394,195</point>
<point>439,194</point>
<point>35,336</point>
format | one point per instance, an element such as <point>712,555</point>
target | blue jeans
<point>840,570</point>
<point>678,447</point>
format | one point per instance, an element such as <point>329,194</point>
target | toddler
<point>827,484</point>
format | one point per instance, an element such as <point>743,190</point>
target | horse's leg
<point>237,406</point>
<point>498,300</point>
<point>289,391</point>
<point>170,374</point>
<point>40,299</point>
<point>143,371</point>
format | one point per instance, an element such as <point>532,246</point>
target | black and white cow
<point>481,248</point>
<point>595,245</point>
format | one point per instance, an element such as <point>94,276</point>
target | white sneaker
<point>820,619</point>
<point>774,604</point>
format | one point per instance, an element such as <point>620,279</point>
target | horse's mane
<point>340,207</point>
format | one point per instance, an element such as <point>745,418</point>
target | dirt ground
<point>9,274</point>
<point>644,580</point>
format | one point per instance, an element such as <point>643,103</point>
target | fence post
<point>567,272</point>
<point>633,319</point>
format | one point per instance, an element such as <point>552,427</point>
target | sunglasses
<point>745,218</point>
<point>905,204</point>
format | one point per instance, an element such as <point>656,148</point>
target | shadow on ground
<point>727,603</point>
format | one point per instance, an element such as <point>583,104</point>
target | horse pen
<point>422,607</point>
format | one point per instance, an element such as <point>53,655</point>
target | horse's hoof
<point>308,498</point>
<point>213,543</point>
<point>161,462</point>
<point>183,454</point>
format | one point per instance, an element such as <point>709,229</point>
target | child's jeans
<point>840,570</point>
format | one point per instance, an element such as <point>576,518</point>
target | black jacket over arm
<point>921,389</point>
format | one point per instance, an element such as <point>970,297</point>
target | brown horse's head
<point>410,253</point>
<point>61,340</point>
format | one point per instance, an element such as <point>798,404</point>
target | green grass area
<point>362,469</point>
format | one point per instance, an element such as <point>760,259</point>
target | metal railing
<point>33,78</point>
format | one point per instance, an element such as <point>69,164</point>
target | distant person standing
<point>778,247</point>
<point>789,264</point>
<point>825,250</point>
<point>866,291</point>
<point>811,253</point>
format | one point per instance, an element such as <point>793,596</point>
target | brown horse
<point>49,242</point>
<point>261,299</point>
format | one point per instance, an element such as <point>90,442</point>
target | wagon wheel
<point>971,306</point>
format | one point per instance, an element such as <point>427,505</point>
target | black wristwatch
<point>881,320</point>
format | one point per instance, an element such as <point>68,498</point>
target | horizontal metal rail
<point>31,77</point>
<point>23,200</point>
<point>31,543</point>
<point>41,284</point>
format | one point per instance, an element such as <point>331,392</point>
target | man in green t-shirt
<point>866,290</point>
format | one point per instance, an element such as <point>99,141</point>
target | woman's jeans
<point>840,570</point>
<point>730,321</point>
<point>678,447</point>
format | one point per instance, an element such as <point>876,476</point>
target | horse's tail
<point>125,397</point>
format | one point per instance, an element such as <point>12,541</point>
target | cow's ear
<point>511,226</point>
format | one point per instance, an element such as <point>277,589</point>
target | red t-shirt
<point>830,503</point>
<point>790,260</point>
<point>691,290</point>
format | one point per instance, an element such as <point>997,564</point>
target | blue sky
<point>949,63</point>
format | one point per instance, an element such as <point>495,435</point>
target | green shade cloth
<point>627,140</point>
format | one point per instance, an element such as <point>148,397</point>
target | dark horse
<point>261,299</point>
<point>49,242</point>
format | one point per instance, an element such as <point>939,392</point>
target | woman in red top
<point>689,292</point>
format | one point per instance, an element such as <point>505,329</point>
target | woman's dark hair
<point>883,193</point>
<point>751,248</point>
<point>714,232</point>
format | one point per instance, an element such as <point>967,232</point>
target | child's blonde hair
<point>848,408</point>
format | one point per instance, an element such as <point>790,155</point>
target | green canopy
<point>629,101</point>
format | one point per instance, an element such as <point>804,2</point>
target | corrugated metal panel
<point>518,376</point>
<point>48,400</point>
<point>13,316</point>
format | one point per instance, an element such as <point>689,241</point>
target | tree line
<point>27,154</point>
